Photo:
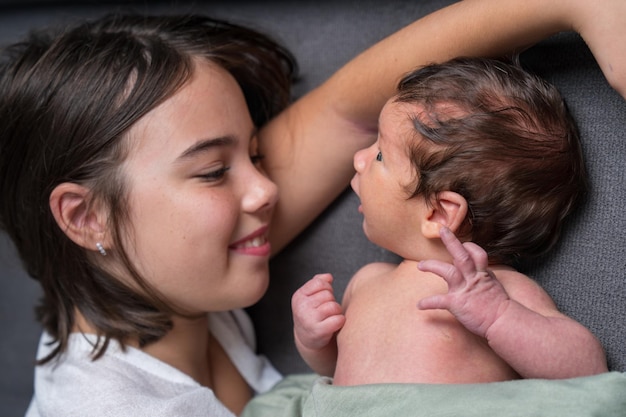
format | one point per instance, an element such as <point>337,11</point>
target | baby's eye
<point>215,175</point>
<point>257,158</point>
<point>379,156</point>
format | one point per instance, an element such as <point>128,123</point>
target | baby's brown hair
<point>502,138</point>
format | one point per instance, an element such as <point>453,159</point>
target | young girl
<point>483,149</point>
<point>132,158</point>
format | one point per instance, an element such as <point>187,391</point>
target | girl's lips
<point>254,244</point>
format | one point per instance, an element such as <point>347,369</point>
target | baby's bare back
<point>386,338</point>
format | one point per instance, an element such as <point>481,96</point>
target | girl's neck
<point>185,347</point>
<point>190,348</point>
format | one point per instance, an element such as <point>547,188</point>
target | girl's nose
<point>261,194</point>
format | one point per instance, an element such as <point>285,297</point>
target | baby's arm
<point>523,326</point>
<point>317,317</point>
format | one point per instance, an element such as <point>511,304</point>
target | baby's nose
<point>359,160</point>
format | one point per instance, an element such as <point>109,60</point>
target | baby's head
<point>501,138</point>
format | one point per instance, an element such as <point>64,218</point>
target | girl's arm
<point>309,147</point>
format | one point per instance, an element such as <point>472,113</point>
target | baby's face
<point>384,176</point>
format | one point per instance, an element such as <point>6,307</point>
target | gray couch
<point>585,274</point>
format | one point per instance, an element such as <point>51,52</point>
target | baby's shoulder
<point>373,270</point>
<point>513,280</point>
<point>524,289</point>
<point>369,273</point>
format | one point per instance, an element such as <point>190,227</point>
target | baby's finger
<point>319,282</point>
<point>478,255</point>
<point>329,308</point>
<point>334,323</point>
<point>434,302</point>
<point>448,272</point>
<point>462,259</point>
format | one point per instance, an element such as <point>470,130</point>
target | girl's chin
<point>255,294</point>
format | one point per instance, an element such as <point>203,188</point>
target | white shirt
<point>135,384</point>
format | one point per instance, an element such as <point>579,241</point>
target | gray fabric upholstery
<point>585,274</point>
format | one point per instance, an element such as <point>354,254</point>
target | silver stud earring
<point>101,249</point>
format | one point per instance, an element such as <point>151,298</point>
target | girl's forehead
<point>209,105</point>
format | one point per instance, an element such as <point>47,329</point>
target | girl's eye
<point>214,176</point>
<point>379,156</point>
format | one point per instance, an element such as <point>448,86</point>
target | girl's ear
<point>450,211</point>
<point>79,220</point>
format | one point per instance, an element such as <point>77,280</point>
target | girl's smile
<point>255,244</point>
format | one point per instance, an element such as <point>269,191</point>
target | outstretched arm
<point>309,147</point>
<point>523,326</point>
<point>317,317</point>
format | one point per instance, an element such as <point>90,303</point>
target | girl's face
<point>199,206</point>
<point>383,171</point>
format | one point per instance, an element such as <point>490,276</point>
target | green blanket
<point>309,395</point>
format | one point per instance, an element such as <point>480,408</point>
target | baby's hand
<point>317,315</point>
<point>475,296</point>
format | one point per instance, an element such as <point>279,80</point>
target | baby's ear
<point>79,220</point>
<point>450,211</point>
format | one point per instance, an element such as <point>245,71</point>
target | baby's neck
<point>444,256</point>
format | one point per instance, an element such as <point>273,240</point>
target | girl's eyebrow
<point>206,144</point>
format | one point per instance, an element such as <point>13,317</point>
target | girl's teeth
<point>256,242</point>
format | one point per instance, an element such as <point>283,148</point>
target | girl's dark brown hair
<point>509,147</point>
<point>67,101</point>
